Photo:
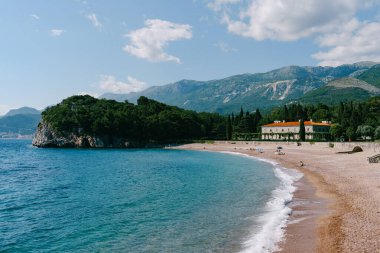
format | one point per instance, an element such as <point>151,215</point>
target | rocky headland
<point>47,137</point>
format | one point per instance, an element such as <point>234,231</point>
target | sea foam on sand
<point>270,226</point>
<point>272,222</point>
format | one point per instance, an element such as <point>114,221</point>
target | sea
<point>140,200</point>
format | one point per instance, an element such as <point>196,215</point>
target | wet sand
<point>336,207</point>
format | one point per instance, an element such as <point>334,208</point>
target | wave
<point>272,222</point>
<point>270,226</point>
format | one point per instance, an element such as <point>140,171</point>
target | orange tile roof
<point>295,123</point>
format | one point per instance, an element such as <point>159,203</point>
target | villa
<point>281,130</point>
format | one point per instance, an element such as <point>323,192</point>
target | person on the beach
<point>301,163</point>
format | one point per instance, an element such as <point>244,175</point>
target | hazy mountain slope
<point>20,124</point>
<point>23,110</point>
<point>261,90</point>
<point>371,76</point>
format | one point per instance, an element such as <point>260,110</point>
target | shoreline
<point>326,216</point>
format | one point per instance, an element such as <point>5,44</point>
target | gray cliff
<point>46,137</point>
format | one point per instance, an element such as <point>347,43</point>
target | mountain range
<point>286,85</point>
<point>19,123</point>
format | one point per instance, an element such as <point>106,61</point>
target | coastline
<point>336,207</point>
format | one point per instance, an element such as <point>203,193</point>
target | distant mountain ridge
<point>19,123</point>
<point>22,110</point>
<point>265,90</point>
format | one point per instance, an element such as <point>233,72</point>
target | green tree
<point>229,128</point>
<point>286,113</point>
<point>356,116</point>
<point>302,132</point>
<point>256,121</point>
<point>241,112</point>
<point>351,133</point>
<point>321,114</point>
<point>340,110</point>
<point>336,131</point>
<point>346,115</point>
<point>377,133</point>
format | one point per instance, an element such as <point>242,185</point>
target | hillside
<point>342,89</point>
<point>20,125</point>
<point>22,110</point>
<point>372,76</point>
<point>261,90</point>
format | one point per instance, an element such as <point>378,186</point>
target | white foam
<point>273,221</point>
<point>270,226</point>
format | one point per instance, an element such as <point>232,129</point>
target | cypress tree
<point>256,120</point>
<point>286,113</point>
<point>340,112</point>
<point>355,119</point>
<point>229,128</point>
<point>302,132</point>
<point>241,112</point>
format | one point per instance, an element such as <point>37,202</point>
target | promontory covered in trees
<point>84,121</point>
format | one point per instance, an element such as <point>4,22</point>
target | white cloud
<point>149,42</point>
<point>288,20</point>
<point>34,16</point>
<point>109,83</point>
<point>333,25</point>
<point>56,32</point>
<point>225,47</point>
<point>94,21</point>
<point>358,42</point>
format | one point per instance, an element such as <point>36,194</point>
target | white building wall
<point>283,130</point>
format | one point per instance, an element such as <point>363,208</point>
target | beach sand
<point>336,207</point>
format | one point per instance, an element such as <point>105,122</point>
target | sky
<point>50,50</point>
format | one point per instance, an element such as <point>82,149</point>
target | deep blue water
<point>77,200</point>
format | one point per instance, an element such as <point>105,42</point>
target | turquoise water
<point>73,200</point>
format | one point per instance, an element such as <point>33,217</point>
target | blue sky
<point>50,50</point>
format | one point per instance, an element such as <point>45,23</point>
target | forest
<point>148,121</point>
<point>353,120</point>
<point>152,121</point>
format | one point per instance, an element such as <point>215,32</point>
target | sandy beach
<point>336,207</point>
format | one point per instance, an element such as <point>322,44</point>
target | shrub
<point>357,149</point>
